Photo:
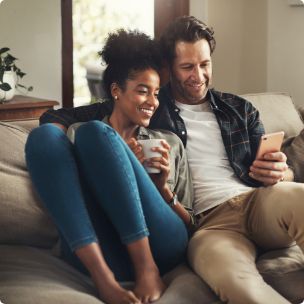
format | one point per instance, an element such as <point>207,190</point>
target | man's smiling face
<point>191,72</point>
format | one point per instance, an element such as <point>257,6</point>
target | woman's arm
<point>172,199</point>
<point>161,180</point>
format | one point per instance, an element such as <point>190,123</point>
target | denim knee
<point>90,129</point>
<point>45,139</point>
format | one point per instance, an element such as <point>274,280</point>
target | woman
<point>111,216</point>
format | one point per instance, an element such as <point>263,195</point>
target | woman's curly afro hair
<point>125,53</point>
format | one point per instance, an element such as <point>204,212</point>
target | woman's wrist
<point>167,194</point>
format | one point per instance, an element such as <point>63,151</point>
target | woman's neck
<point>124,127</point>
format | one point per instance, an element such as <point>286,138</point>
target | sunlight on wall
<point>92,21</point>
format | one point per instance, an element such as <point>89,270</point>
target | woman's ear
<point>115,91</point>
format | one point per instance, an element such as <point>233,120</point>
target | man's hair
<point>188,29</point>
<point>126,53</point>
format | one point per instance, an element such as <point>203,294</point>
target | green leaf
<point>5,86</point>
<point>1,75</point>
<point>20,74</point>
<point>9,59</point>
<point>30,89</point>
<point>3,50</point>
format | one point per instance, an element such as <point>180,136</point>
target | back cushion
<point>278,112</point>
<point>22,218</point>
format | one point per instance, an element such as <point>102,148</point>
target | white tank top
<point>214,180</point>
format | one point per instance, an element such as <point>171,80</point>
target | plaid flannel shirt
<point>239,122</point>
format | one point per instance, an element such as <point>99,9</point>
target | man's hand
<point>271,169</point>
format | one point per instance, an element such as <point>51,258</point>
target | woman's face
<point>138,101</point>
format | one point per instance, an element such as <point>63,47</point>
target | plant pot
<point>10,78</point>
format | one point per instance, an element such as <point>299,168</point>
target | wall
<point>239,61</point>
<point>286,49</point>
<point>32,30</point>
<point>260,45</point>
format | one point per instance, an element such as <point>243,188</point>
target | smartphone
<point>269,143</point>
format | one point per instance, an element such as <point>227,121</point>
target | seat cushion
<point>284,270</point>
<point>23,221</point>
<point>34,276</point>
<point>185,287</point>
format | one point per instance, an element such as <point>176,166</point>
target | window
<point>92,21</point>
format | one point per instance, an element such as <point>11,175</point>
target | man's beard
<point>186,96</point>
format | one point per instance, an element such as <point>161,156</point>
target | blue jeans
<point>97,191</point>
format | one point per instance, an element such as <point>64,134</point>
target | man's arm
<point>65,117</point>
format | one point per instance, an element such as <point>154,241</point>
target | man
<point>241,203</point>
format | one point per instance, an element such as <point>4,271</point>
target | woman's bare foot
<point>108,288</point>
<point>112,293</point>
<point>149,286</point>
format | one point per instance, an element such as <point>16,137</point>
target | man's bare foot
<point>149,285</point>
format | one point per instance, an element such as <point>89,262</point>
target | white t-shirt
<point>214,180</point>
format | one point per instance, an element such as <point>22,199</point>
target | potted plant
<point>10,75</point>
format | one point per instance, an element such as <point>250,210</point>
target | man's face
<point>191,72</point>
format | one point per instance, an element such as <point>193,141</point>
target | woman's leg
<point>54,173</point>
<point>130,199</point>
<point>53,169</point>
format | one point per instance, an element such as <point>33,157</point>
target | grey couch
<point>31,270</point>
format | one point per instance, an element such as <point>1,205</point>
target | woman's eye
<point>142,92</point>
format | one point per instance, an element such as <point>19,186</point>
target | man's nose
<point>198,74</point>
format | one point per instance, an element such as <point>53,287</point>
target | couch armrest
<point>27,124</point>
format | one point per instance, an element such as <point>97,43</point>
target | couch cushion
<point>294,150</point>
<point>284,270</point>
<point>22,219</point>
<point>33,276</point>
<point>277,112</point>
<point>185,287</point>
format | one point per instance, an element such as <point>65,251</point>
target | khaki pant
<point>223,250</point>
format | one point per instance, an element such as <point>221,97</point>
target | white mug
<point>147,145</point>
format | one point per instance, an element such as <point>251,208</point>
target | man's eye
<point>187,67</point>
<point>205,64</point>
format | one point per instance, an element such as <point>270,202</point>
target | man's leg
<point>226,261</point>
<point>276,216</point>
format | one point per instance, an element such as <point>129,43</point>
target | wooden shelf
<point>25,107</point>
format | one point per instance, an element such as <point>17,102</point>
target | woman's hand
<point>163,164</point>
<point>137,149</point>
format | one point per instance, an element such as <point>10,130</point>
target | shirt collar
<point>143,132</point>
